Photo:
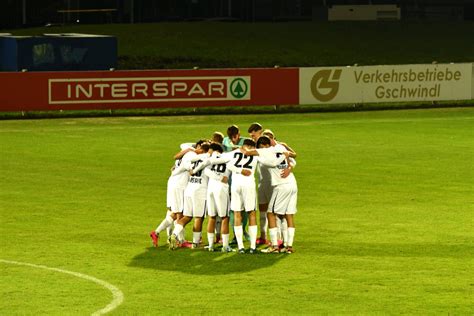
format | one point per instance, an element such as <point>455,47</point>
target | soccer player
<point>232,142</point>
<point>233,139</point>
<point>194,199</point>
<point>284,196</point>
<point>265,190</point>
<point>217,197</point>
<point>255,131</point>
<point>174,194</point>
<point>243,192</point>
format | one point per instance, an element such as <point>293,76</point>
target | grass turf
<point>298,44</point>
<point>384,222</point>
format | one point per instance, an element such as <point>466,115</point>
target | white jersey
<point>179,176</point>
<point>198,181</point>
<point>264,170</point>
<point>276,161</point>
<point>236,162</point>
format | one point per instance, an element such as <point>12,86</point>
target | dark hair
<point>205,147</point>
<point>218,137</point>
<point>232,131</point>
<point>255,127</point>
<point>217,147</point>
<point>201,141</point>
<point>249,142</point>
<point>263,140</point>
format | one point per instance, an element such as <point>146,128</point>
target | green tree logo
<point>239,88</point>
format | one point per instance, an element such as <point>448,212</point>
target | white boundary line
<point>117,294</point>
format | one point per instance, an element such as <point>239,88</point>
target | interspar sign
<point>385,83</point>
<point>147,89</point>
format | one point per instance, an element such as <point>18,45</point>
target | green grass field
<point>384,224</point>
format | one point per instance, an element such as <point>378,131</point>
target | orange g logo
<point>323,80</point>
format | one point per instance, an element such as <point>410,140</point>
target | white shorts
<point>264,192</point>
<point>284,199</point>
<point>175,199</point>
<point>194,205</point>
<point>218,202</point>
<point>243,198</point>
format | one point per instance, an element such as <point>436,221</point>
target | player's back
<point>238,161</point>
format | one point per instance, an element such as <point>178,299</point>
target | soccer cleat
<point>261,241</point>
<point>252,250</point>
<point>280,242</point>
<point>270,250</point>
<point>173,242</point>
<point>210,249</point>
<point>241,250</point>
<point>283,249</point>
<point>289,250</point>
<point>194,245</point>
<point>227,249</point>
<point>186,244</point>
<point>154,238</point>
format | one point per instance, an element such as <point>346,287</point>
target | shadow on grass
<point>203,262</point>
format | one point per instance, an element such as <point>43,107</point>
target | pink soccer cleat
<point>261,241</point>
<point>186,244</point>
<point>154,238</point>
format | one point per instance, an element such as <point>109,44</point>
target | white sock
<point>291,236</point>
<point>273,236</point>
<point>225,240</point>
<point>284,231</point>
<point>238,231</point>
<point>196,237</point>
<point>165,224</point>
<point>210,239</point>
<point>263,222</point>
<point>178,228</point>
<point>278,227</point>
<point>181,234</point>
<point>253,236</point>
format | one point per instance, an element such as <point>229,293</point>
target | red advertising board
<point>40,91</point>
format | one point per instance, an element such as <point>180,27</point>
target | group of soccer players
<point>215,178</point>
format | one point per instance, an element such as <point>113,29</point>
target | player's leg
<point>218,229</point>
<point>182,222</point>
<point>211,224</point>
<point>199,210</point>
<point>262,208</point>
<point>178,228</point>
<point>253,230</point>
<point>291,232</point>
<point>290,213</point>
<point>165,223</point>
<point>238,230</point>
<point>197,231</point>
<point>250,203</point>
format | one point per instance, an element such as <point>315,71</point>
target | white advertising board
<point>388,83</point>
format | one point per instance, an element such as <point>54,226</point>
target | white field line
<point>116,293</point>
<point>316,122</point>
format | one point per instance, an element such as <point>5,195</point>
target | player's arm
<point>289,149</point>
<point>183,152</point>
<point>183,167</point>
<point>200,166</point>
<point>291,165</point>
<point>212,175</point>
<point>224,158</point>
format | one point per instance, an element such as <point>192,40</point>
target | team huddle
<point>216,178</point>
